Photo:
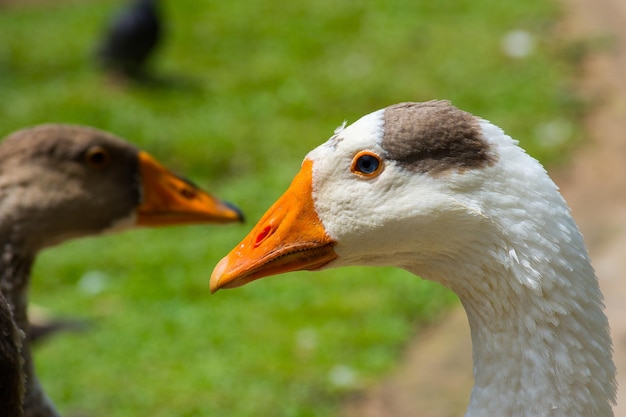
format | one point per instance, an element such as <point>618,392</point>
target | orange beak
<point>168,199</point>
<point>289,237</point>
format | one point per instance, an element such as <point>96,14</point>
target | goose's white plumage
<point>481,217</point>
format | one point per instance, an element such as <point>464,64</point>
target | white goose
<point>451,198</point>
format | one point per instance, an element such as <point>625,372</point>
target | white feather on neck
<point>541,340</point>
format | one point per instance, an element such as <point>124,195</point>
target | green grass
<point>253,86</point>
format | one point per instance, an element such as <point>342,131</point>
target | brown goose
<point>59,182</point>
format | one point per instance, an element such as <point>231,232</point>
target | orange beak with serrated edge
<point>170,200</point>
<point>289,237</point>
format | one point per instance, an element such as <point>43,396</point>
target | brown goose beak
<point>289,237</point>
<point>170,200</point>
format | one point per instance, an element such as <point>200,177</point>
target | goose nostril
<point>261,236</point>
<point>188,193</point>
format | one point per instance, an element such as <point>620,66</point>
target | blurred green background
<point>249,88</point>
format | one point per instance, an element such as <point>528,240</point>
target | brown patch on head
<point>434,137</point>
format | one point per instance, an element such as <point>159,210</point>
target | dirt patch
<point>434,378</point>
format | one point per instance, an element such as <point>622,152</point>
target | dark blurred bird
<point>59,182</point>
<point>132,36</point>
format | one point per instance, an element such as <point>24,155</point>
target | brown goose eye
<point>367,164</point>
<point>97,157</point>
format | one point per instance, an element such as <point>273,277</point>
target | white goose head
<point>450,197</point>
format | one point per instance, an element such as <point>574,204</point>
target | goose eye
<point>97,157</point>
<point>367,164</point>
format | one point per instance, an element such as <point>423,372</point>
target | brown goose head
<point>63,181</point>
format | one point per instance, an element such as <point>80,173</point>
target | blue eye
<point>367,163</point>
